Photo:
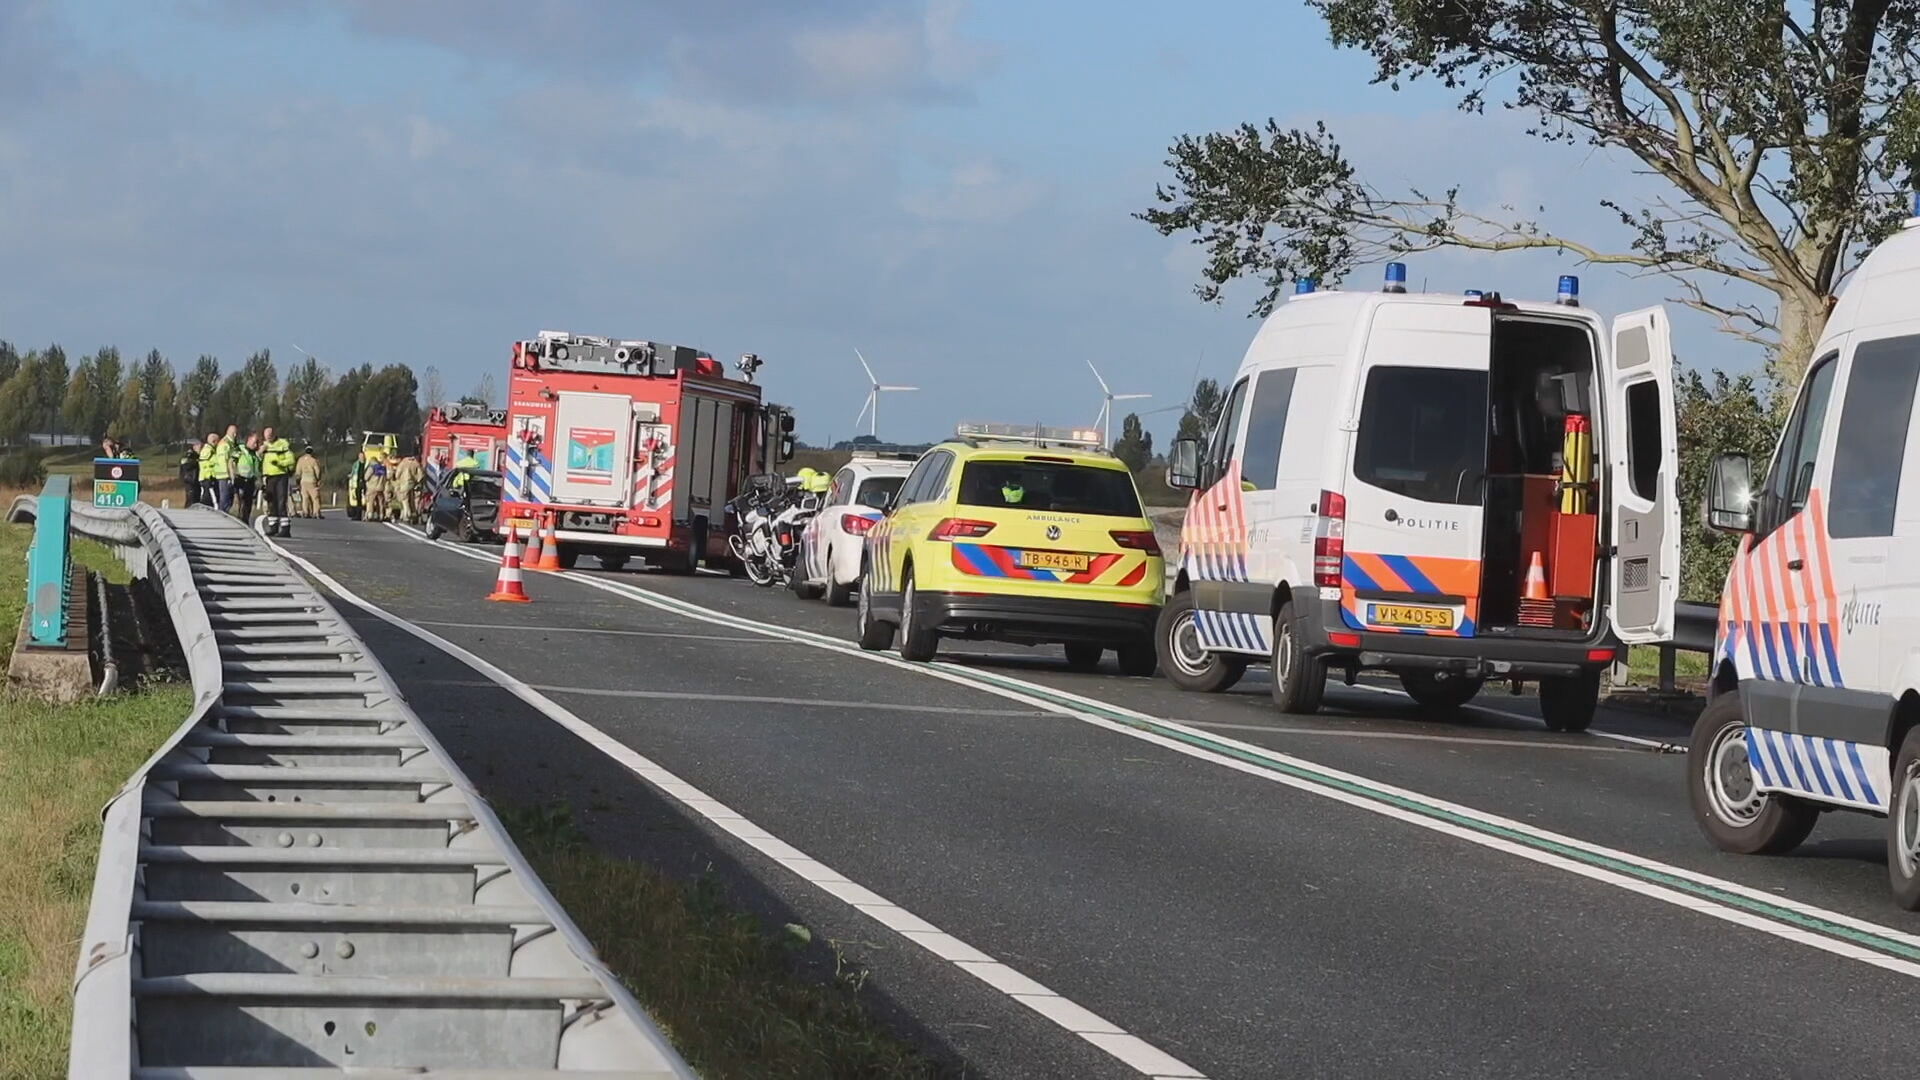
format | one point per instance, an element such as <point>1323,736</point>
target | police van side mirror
<point>1730,494</point>
<point>1183,464</point>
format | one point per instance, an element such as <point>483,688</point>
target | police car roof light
<point>1569,290</point>
<point>1474,293</point>
<point>1396,278</point>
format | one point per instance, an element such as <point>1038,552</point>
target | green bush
<point>23,469</point>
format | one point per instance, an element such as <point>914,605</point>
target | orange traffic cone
<point>532,560</point>
<point>507,586</point>
<point>549,557</point>
<point>1536,579</point>
<point>1536,607</point>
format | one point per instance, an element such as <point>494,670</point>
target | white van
<point>1395,483</point>
<point>1816,687</point>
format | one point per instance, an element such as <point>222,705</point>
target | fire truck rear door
<point>592,449</point>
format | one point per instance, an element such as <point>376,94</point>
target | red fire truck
<point>635,446</point>
<point>460,430</point>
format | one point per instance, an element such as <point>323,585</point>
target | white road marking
<point>1064,703</point>
<point>1530,744</point>
<point>811,703</point>
<point>1129,1050</point>
<point>1631,740</point>
<point>592,630</point>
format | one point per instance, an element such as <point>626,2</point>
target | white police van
<point>1816,685</point>
<point>1450,488</point>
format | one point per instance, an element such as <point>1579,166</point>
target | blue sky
<point>944,184</point>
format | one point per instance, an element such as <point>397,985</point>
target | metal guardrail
<point>301,881</point>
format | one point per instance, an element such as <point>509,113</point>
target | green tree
<point>1718,414</point>
<point>302,399</point>
<point>232,403</point>
<point>388,401</point>
<point>163,423</point>
<point>9,360</point>
<point>1785,134</point>
<point>195,395</point>
<point>262,388</point>
<point>130,414</point>
<point>81,403</point>
<point>1203,408</point>
<point>1135,444</point>
<point>108,373</point>
<point>339,419</point>
<point>17,407</point>
<point>48,387</point>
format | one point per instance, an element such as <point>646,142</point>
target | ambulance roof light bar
<point>1030,434</point>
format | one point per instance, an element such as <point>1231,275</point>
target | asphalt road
<point>1370,891</point>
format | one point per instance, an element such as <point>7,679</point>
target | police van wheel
<point>1567,702</point>
<point>1720,788</point>
<point>1435,690</point>
<point>1903,825</point>
<point>874,634</point>
<point>1299,680</point>
<point>918,641</point>
<point>1176,643</point>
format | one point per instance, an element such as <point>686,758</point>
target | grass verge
<point>728,994</point>
<point>58,766</point>
<point>1644,663</point>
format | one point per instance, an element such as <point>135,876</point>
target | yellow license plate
<point>1426,618</point>
<point>1054,560</point>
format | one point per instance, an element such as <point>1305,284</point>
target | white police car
<point>830,544</point>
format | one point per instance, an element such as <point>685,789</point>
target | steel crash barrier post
<point>50,567</point>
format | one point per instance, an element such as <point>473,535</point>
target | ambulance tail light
<point>856,524</point>
<point>960,529</point>
<point>1137,540</point>
<point>1330,540</point>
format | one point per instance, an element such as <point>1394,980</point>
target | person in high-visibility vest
<point>276,470</point>
<point>223,455</point>
<point>307,471</point>
<point>246,477</point>
<point>207,486</point>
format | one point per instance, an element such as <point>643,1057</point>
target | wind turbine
<point>872,404</point>
<point>1108,397</point>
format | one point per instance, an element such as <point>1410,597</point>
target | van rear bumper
<point>1487,657</point>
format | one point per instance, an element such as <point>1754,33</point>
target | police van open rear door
<point>1643,472</point>
<point>592,449</point>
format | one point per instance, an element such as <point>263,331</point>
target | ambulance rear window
<point>1423,433</point>
<point>1037,485</point>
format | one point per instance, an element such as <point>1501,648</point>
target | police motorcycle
<point>768,518</point>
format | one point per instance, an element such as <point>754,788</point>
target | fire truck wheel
<point>1188,665</point>
<point>874,634</point>
<point>1299,680</point>
<point>1439,691</point>
<point>1567,702</point>
<point>1721,791</point>
<point>612,562</point>
<point>918,642</point>
<point>567,556</point>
